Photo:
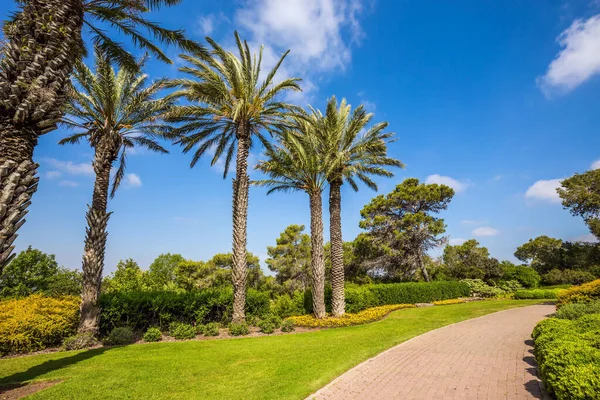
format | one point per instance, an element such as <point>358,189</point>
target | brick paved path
<point>482,358</point>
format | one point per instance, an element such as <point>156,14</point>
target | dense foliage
<point>471,261</point>
<point>577,310</point>
<point>585,293</point>
<point>361,317</point>
<point>581,195</point>
<point>537,294</point>
<point>290,259</point>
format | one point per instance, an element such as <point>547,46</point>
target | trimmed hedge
<point>568,354</point>
<point>144,309</point>
<point>585,293</point>
<point>537,294</point>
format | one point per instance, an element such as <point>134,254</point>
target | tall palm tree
<point>350,151</point>
<point>231,107</point>
<point>296,164</point>
<point>114,111</point>
<point>43,43</point>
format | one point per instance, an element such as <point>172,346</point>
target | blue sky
<point>497,99</point>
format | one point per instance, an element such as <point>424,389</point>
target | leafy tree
<point>295,164</point>
<point>350,151</point>
<point>290,258</point>
<point>471,261</point>
<point>401,226</point>
<point>581,195</point>
<point>543,254</point>
<point>43,44</point>
<point>230,108</point>
<point>161,272</point>
<point>127,277</point>
<point>29,272</point>
<point>115,112</point>
<point>64,282</point>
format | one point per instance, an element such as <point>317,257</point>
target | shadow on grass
<point>21,378</point>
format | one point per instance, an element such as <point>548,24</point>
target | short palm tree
<point>43,43</point>
<point>350,151</point>
<point>296,164</point>
<point>114,111</point>
<point>230,107</point>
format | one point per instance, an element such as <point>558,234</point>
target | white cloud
<point>70,167</point>
<point>544,190</point>
<point>133,180</point>
<point>206,24</point>
<point>53,174</point>
<point>579,58</point>
<point>589,238</point>
<point>457,241</point>
<point>448,181</point>
<point>485,231</point>
<point>595,165</point>
<point>472,222</point>
<point>67,183</point>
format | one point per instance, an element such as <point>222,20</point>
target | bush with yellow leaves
<point>585,293</point>
<point>36,322</point>
<point>448,302</point>
<point>362,317</point>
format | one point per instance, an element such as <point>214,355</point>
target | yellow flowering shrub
<point>448,302</point>
<point>580,294</point>
<point>35,322</point>
<point>362,317</point>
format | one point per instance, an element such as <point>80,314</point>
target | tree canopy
<point>470,260</point>
<point>580,194</point>
<point>290,258</point>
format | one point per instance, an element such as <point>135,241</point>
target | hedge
<point>568,355</point>
<point>141,310</point>
<point>580,294</point>
<point>537,294</point>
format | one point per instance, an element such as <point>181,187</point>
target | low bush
<point>287,325</point>
<point>525,275</point>
<point>120,337</point>
<point>510,286</point>
<point>567,276</point>
<point>211,329</point>
<point>479,288</point>
<point>578,310</point>
<point>239,329</point>
<point>536,294</point>
<point>36,322</point>
<point>449,302</point>
<point>585,293</point>
<point>362,317</point>
<point>152,335</point>
<point>181,331</point>
<point>568,355</point>
<point>285,306</point>
<point>273,319</point>
<point>80,341</point>
<point>144,309</point>
<point>266,327</point>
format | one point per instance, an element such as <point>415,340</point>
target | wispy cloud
<point>53,174</point>
<point>579,58</point>
<point>589,238</point>
<point>67,183</point>
<point>544,190</point>
<point>132,180</point>
<point>458,186</point>
<point>485,231</point>
<point>595,165</point>
<point>457,241</point>
<point>69,167</point>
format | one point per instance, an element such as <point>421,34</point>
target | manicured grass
<point>275,367</point>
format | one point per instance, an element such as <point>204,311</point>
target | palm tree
<point>350,151</point>
<point>114,111</point>
<point>230,108</point>
<point>296,164</point>
<point>43,43</point>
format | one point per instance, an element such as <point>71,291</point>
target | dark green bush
<point>525,275</point>
<point>287,326</point>
<point>568,354</point>
<point>181,331</point>
<point>239,329</point>
<point>80,341</point>
<point>510,286</point>
<point>266,326</point>
<point>120,336</point>
<point>211,329</point>
<point>479,288</point>
<point>152,335</point>
<point>577,310</point>
<point>286,306</point>
<point>567,276</point>
<point>536,294</point>
<point>141,310</point>
<point>273,319</point>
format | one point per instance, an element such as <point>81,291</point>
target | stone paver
<point>485,358</point>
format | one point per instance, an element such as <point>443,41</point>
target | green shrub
<point>585,293</point>
<point>537,294</point>
<point>152,335</point>
<point>577,310</point>
<point>510,286</point>
<point>273,319</point>
<point>36,322</point>
<point>523,274</point>
<point>142,310</point>
<point>252,320</point>
<point>287,326</point>
<point>481,289</point>
<point>211,329</point>
<point>239,329</point>
<point>285,306</point>
<point>181,331</point>
<point>80,341</point>
<point>266,327</point>
<point>567,276</point>
<point>120,337</point>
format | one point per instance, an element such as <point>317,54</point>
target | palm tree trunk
<point>95,245</point>
<point>42,44</point>
<point>317,261</point>
<point>239,271</point>
<point>338,302</point>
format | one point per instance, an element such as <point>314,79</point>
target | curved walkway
<point>483,358</point>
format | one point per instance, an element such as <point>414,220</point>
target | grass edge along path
<point>274,367</point>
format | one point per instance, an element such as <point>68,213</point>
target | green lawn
<point>276,367</point>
